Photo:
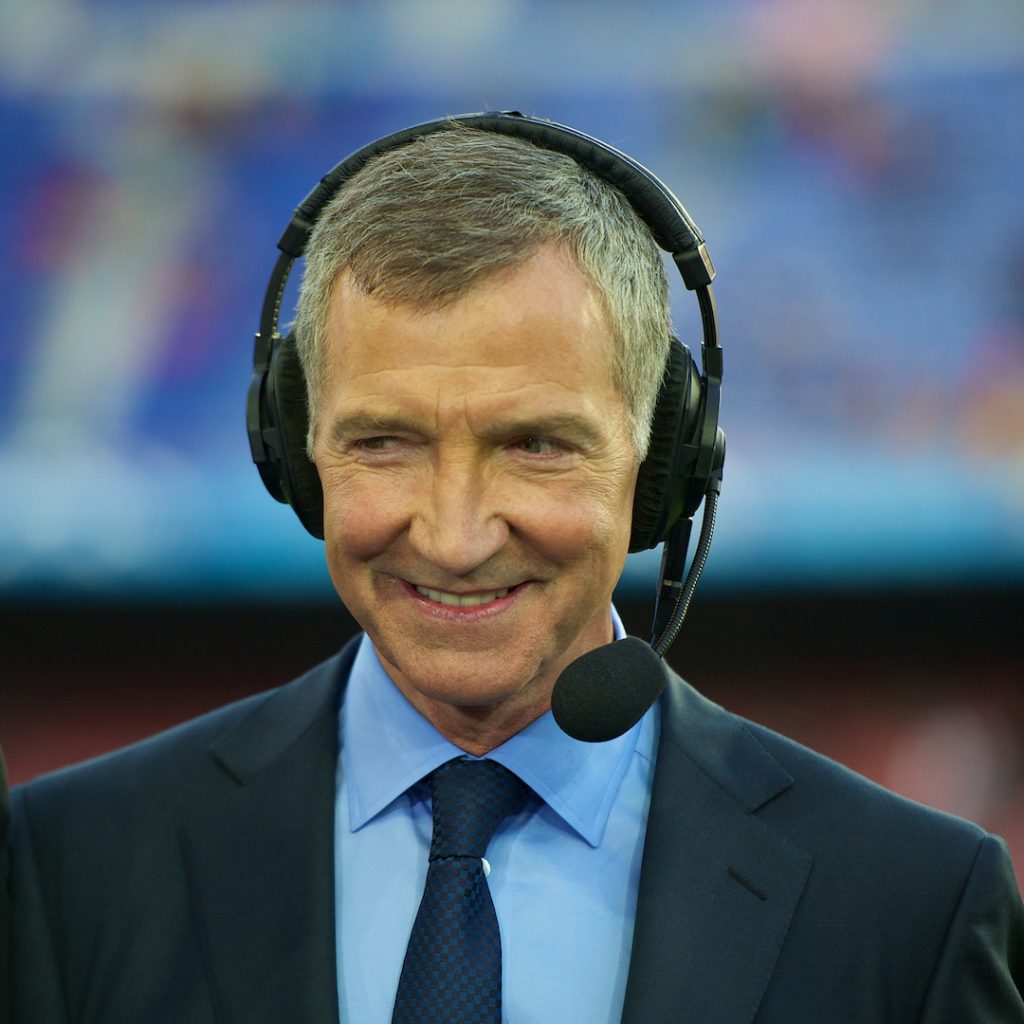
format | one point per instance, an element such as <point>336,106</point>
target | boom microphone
<point>606,692</point>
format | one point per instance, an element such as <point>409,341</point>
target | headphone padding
<point>298,474</point>
<point>652,497</point>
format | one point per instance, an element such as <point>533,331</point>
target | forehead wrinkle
<point>446,370</point>
<point>582,393</point>
<point>410,395</point>
<point>521,406</point>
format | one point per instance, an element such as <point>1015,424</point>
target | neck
<point>477,729</point>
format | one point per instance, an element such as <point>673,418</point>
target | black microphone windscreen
<point>607,691</point>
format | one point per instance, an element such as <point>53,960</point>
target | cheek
<point>589,522</point>
<point>359,520</point>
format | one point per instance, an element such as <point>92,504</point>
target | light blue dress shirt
<point>564,871</point>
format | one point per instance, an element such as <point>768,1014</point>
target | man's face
<point>478,482</point>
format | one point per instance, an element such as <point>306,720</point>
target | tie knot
<point>470,800</point>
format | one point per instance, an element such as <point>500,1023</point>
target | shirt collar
<point>387,746</point>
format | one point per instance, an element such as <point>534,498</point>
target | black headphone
<point>687,449</point>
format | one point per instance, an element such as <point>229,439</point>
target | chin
<point>469,680</point>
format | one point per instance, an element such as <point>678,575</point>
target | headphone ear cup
<point>299,478</point>
<point>676,421</point>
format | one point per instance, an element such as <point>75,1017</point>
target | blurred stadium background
<point>858,170</point>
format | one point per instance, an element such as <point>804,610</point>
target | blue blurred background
<point>857,167</point>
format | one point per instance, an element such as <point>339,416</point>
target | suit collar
<point>721,746</point>
<point>718,887</point>
<point>267,922</point>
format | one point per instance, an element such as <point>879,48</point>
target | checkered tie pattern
<point>452,969</point>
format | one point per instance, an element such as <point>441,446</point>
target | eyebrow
<point>362,423</point>
<point>571,425</point>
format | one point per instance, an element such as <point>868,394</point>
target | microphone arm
<point>668,617</point>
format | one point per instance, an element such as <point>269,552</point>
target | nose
<point>457,525</point>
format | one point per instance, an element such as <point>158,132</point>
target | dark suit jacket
<point>5,808</point>
<point>189,879</point>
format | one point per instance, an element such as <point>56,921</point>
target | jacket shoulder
<point>835,797</point>
<point>168,763</point>
<point>810,793</point>
<point>917,906</point>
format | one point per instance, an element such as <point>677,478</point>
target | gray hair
<point>425,222</point>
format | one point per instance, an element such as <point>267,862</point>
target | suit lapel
<point>260,857</point>
<point>717,888</point>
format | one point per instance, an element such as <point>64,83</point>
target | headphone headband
<point>673,228</point>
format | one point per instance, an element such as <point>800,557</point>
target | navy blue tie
<point>452,969</point>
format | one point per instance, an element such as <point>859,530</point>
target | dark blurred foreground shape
<point>4,901</point>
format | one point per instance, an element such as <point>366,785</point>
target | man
<point>483,326</point>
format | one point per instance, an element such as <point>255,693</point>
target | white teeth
<point>460,600</point>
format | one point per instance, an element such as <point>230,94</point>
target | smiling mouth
<point>461,600</point>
